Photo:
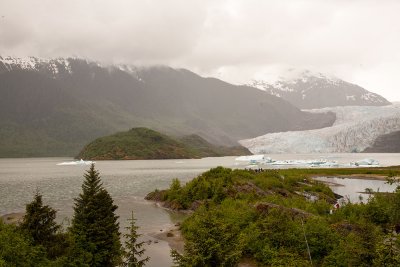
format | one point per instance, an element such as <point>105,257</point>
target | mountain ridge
<point>308,90</point>
<point>52,107</point>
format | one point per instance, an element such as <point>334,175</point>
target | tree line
<point>92,239</point>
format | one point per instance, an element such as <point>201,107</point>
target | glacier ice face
<point>355,129</point>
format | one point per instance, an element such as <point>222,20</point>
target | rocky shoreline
<point>12,218</point>
<point>172,236</point>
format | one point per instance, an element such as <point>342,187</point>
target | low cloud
<point>234,40</point>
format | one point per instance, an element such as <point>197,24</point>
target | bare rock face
<point>387,143</point>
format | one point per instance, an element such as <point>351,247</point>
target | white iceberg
<point>77,162</point>
<point>255,159</point>
<point>365,162</point>
<point>307,163</point>
<point>250,158</point>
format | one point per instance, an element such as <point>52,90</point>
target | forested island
<point>144,143</point>
<point>283,218</point>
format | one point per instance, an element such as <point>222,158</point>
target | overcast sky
<point>357,40</point>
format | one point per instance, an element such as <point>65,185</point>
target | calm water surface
<point>128,182</point>
<point>352,189</point>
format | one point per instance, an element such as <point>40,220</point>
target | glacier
<point>355,129</point>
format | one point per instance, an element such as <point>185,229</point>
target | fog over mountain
<point>233,40</point>
<point>155,56</point>
<point>308,90</point>
<point>52,107</point>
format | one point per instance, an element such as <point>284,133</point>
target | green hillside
<point>144,143</point>
<point>54,108</point>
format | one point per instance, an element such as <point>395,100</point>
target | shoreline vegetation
<point>143,143</point>
<point>266,219</point>
<point>34,238</point>
<point>247,218</point>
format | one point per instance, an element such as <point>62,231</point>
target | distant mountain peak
<point>62,103</point>
<point>54,66</point>
<point>307,89</point>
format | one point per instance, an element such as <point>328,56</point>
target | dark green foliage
<point>387,252</point>
<point>94,225</point>
<point>92,240</point>
<point>133,248</point>
<point>213,241</point>
<point>200,147</point>
<point>143,143</point>
<point>39,223</point>
<point>16,249</point>
<point>266,217</point>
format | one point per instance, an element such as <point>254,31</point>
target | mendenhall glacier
<point>356,128</point>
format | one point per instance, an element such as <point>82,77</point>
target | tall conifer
<point>95,226</point>
<point>39,222</point>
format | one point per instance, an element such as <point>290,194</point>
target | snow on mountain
<point>59,66</point>
<point>355,129</point>
<point>54,66</point>
<point>306,90</point>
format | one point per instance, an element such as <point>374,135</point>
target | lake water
<point>352,189</point>
<point>128,183</point>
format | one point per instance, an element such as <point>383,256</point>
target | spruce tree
<point>39,222</point>
<point>95,226</point>
<point>133,248</point>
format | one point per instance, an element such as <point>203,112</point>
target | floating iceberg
<point>263,160</point>
<point>255,159</point>
<point>251,158</point>
<point>328,164</point>
<point>365,162</point>
<point>312,163</point>
<point>77,162</point>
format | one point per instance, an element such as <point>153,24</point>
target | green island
<point>144,143</point>
<point>283,218</point>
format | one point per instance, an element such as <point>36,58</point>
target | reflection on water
<point>352,189</point>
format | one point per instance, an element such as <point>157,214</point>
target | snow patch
<point>36,64</point>
<point>351,97</point>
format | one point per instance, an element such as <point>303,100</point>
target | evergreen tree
<point>39,222</point>
<point>134,248</point>
<point>16,248</point>
<point>94,226</point>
